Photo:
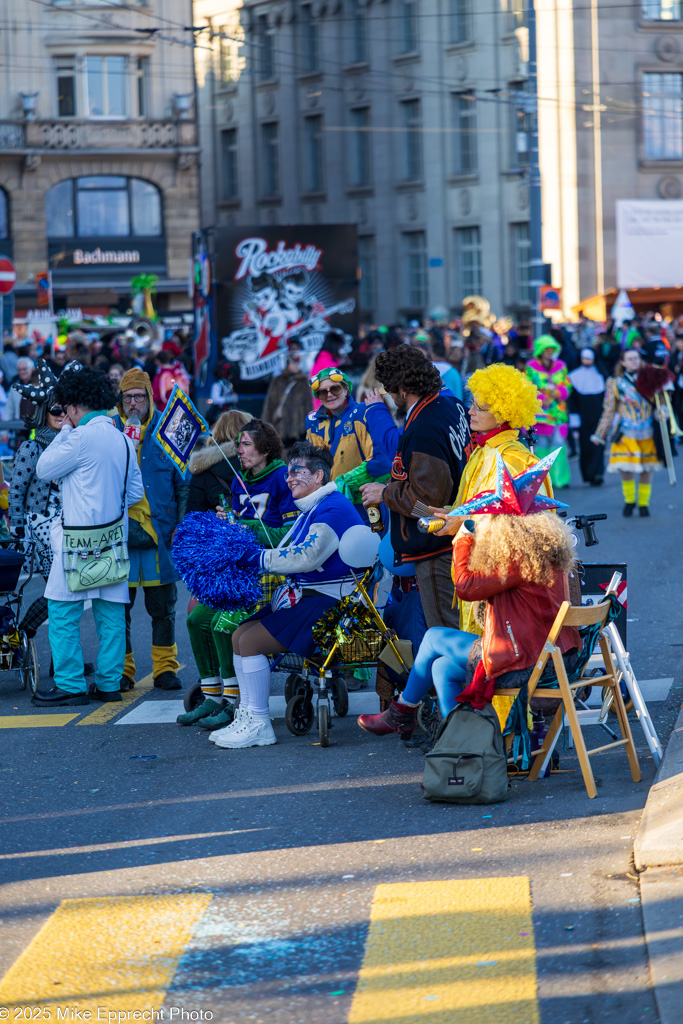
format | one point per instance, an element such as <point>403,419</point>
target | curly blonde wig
<point>536,546</point>
<point>510,396</point>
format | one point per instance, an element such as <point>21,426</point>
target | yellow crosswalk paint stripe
<point>107,711</point>
<point>449,952</point>
<point>118,952</point>
<point>35,721</point>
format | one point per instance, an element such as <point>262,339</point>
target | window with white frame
<point>229,172</point>
<point>270,159</point>
<point>359,148</point>
<point>464,128</point>
<point>459,21</point>
<point>357,32</point>
<point>521,254</point>
<point>662,10</point>
<point>102,86</point>
<point>662,106</point>
<point>367,296</point>
<point>468,262</point>
<point>230,38</point>
<point>409,26</point>
<point>308,40</point>
<point>313,153</point>
<point>411,156</point>
<point>414,263</point>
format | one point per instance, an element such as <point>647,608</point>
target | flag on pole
<point>179,429</point>
<point>44,288</point>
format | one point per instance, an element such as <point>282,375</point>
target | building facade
<point>99,176</point>
<point>405,118</point>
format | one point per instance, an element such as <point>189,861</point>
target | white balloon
<point>358,547</point>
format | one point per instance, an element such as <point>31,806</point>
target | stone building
<point>99,177</point>
<point>399,116</point>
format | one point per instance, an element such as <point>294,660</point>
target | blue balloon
<point>386,557</point>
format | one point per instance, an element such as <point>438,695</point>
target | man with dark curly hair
<point>431,455</point>
<point>95,466</point>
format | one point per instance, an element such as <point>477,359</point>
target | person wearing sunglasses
<point>340,424</point>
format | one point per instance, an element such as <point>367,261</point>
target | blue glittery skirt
<point>293,627</point>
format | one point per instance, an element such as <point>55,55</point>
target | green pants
<point>212,648</point>
<point>560,473</point>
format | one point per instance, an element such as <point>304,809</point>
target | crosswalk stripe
<point>35,721</point>
<point>449,952</point>
<point>119,952</point>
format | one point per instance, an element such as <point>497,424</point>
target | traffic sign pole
<point>2,324</point>
<point>8,279</point>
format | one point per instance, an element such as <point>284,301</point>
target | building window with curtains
<point>313,150</point>
<point>110,87</point>
<point>308,40</point>
<point>270,159</point>
<point>468,262</point>
<point>411,123</point>
<point>359,151</point>
<point>521,254</point>
<point>459,21</point>
<point>367,297</point>
<point>409,26</point>
<point>414,261</point>
<point>464,127</point>
<point>105,206</point>
<point>229,179</point>
<point>662,10</point>
<point>662,105</point>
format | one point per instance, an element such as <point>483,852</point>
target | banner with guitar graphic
<point>275,284</point>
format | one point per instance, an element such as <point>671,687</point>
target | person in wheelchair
<point>319,578</point>
<point>515,562</point>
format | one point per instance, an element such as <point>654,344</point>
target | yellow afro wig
<point>510,396</point>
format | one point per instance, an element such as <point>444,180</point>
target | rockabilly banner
<point>277,283</point>
<point>179,429</point>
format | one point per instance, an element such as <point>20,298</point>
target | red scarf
<point>481,439</point>
<point>480,691</point>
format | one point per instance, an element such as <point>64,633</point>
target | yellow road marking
<point>119,952</point>
<point>107,711</point>
<point>453,952</point>
<point>34,721</point>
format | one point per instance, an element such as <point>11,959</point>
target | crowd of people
<point>405,423</point>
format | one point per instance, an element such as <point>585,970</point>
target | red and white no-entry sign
<point>8,275</point>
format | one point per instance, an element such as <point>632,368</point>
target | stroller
<point>17,651</point>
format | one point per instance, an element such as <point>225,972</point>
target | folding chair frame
<point>574,616</point>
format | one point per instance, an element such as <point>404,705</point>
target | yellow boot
<point>128,676</point>
<point>165,667</point>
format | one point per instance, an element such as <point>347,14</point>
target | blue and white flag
<point>179,429</point>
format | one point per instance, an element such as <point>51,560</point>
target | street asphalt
<point>288,856</point>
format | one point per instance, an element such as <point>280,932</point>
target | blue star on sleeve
<point>310,540</point>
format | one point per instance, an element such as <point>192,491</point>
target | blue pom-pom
<point>205,549</point>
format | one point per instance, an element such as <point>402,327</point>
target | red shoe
<point>398,718</point>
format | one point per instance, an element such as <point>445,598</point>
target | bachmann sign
<point>83,257</point>
<point>106,257</point>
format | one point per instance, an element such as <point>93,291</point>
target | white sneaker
<point>215,733</point>
<point>253,731</point>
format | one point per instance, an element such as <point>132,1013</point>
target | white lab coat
<point>90,463</point>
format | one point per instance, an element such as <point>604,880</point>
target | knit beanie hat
<point>135,379</point>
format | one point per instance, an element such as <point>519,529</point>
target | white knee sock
<point>256,674</point>
<point>239,674</point>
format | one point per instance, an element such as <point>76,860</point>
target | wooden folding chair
<point>594,615</point>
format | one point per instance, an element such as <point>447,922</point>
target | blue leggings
<point>441,661</point>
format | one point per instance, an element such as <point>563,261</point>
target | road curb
<point>661,894</point>
<point>659,842</point>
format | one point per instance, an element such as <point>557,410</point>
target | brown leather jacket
<point>519,614</point>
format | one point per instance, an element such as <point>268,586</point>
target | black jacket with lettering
<point>432,452</point>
